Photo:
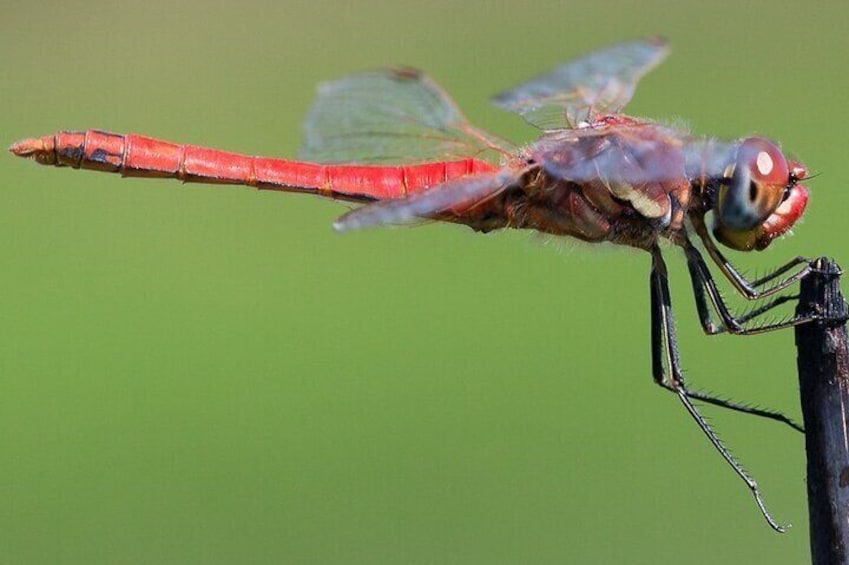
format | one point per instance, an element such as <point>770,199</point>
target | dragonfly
<point>395,142</point>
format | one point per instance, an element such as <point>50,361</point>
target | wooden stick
<point>823,361</point>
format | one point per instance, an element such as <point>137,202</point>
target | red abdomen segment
<point>139,156</point>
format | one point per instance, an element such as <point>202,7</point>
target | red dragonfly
<point>395,141</point>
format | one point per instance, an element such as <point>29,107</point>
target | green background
<point>196,374</point>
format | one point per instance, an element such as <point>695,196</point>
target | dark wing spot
<point>406,73</point>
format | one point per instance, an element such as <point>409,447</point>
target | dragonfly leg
<point>704,289</point>
<point>665,354</point>
<point>752,290</point>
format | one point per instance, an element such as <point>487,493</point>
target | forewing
<point>601,82</point>
<point>455,195</point>
<point>391,116</point>
<point>629,157</point>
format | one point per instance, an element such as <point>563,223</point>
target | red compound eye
<point>754,186</point>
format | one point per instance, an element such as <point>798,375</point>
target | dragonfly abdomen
<point>140,156</point>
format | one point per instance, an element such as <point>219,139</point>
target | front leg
<point>704,290</point>
<point>751,290</point>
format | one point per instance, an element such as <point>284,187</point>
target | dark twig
<point>823,361</point>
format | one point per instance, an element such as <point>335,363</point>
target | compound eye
<point>753,187</point>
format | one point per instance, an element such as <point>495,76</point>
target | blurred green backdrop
<point>196,374</point>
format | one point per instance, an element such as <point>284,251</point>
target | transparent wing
<point>629,157</point>
<point>455,196</point>
<point>601,82</point>
<point>391,116</point>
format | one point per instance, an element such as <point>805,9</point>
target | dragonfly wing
<point>456,196</point>
<point>391,116</point>
<point>632,156</point>
<point>601,82</point>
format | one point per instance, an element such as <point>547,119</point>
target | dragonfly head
<point>759,197</point>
